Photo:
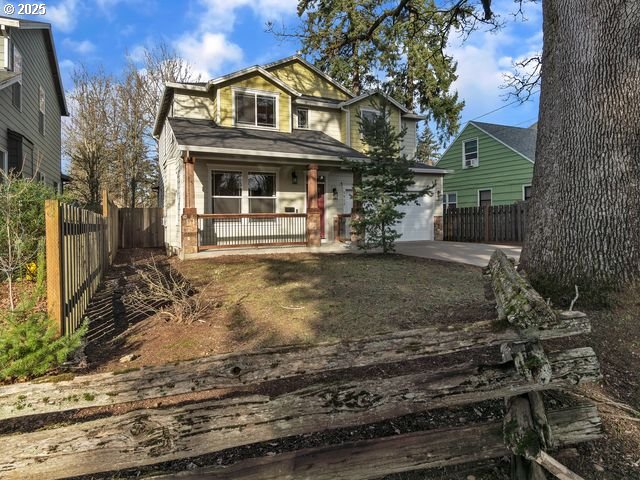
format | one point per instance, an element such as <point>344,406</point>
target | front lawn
<point>269,300</point>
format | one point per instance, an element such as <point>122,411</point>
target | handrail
<point>252,215</point>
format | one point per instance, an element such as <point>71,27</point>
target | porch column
<point>313,212</point>
<point>356,206</point>
<point>189,223</point>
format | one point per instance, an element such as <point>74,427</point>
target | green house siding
<point>499,169</point>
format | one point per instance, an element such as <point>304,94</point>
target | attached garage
<point>417,223</point>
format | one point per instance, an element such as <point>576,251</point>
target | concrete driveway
<point>469,253</point>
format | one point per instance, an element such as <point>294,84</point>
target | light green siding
<point>500,169</point>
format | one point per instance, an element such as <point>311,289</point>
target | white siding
<point>171,172</point>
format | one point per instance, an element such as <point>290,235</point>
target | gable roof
<point>51,53</point>
<point>520,140</point>
<point>376,92</point>
<point>206,136</point>
<point>254,69</point>
<point>311,66</point>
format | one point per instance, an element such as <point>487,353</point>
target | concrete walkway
<point>469,253</point>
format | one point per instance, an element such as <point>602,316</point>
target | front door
<point>321,207</point>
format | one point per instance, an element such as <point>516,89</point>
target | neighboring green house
<point>490,164</point>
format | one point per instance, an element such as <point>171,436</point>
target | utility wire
<point>503,106</point>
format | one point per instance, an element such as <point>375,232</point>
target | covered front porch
<point>242,203</point>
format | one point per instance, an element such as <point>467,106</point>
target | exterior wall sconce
<point>335,193</point>
<point>294,178</point>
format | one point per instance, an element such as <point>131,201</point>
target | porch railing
<point>251,230</point>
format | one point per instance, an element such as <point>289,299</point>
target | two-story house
<point>256,157</point>
<point>32,101</point>
<point>489,164</point>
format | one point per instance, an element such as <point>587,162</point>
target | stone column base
<point>189,231</point>
<point>313,228</point>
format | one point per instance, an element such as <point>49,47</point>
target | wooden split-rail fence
<point>155,420</point>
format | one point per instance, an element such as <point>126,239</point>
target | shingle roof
<point>522,140</point>
<point>193,132</point>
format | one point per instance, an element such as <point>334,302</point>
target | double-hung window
<point>262,192</point>
<point>470,153</point>
<point>303,117</point>
<point>226,192</point>
<point>370,115</point>
<point>449,200</point>
<point>15,65</point>
<point>4,163</point>
<point>255,109</point>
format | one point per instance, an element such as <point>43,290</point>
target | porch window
<point>253,109</point>
<point>262,192</point>
<point>227,192</point>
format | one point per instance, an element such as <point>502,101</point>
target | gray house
<point>31,101</point>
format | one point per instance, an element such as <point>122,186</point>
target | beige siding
<point>194,105</point>
<point>340,180</point>
<point>409,141</point>
<point>306,81</point>
<point>254,81</point>
<point>36,72</point>
<point>326,120</point>
<point>426,180</point>
<point>354,114</point>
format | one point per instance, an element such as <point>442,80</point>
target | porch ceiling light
<point>294,178</point>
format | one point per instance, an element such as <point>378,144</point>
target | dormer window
<point>470,153</point>
<point>255,109</point>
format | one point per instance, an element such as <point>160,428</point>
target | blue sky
<point>219,36</point>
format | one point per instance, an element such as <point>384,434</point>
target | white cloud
<point>63,15</point>
<point>209,52</point>
<point>136,54</point>
<point>83,47</point>
<point>222,14</point>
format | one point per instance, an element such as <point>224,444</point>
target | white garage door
<point>417,223</point>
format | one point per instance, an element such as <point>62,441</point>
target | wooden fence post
<point>54,247</point>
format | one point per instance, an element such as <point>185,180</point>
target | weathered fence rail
<point>300,390</point>
<point>140,227</point>
<point>80,247</point>
<point>498,223</point>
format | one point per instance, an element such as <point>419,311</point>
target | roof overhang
<point>430,171</point>
<point>414,116</point>
<point>317,103</point>
<point>262,153</point>
<point>254,69</point>
<point>9,78</point>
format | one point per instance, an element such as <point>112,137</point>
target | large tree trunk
<point>584,227</point>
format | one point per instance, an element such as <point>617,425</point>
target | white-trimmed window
<point>369,114</point>
<point>262,192</point>
<point>449,200</point>
<point>303,117</point>
<point>15,64</point>
<point>526,192</point>
<point>470,155</point>
<point>253,109</point>
<point>226,189</point>
<point>4,161</point>
<point>484,198</point>
<point>41,110</point>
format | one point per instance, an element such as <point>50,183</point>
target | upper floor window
<point>470,153</point>
<point>369,114</point>
<point>526,192</point>
<point>4,162</point>
<point>41,111</point>
<point>303,117</point>
<point>15,64</point>
<point>255,109</point>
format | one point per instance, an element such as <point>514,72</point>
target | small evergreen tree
<point>386,184</point>
<point>428,147</point>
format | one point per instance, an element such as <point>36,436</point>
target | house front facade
<point>257,157</point>
<point>32,101</point>
<point>490,164</point>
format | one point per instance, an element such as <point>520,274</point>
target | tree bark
<point>584,227</point>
